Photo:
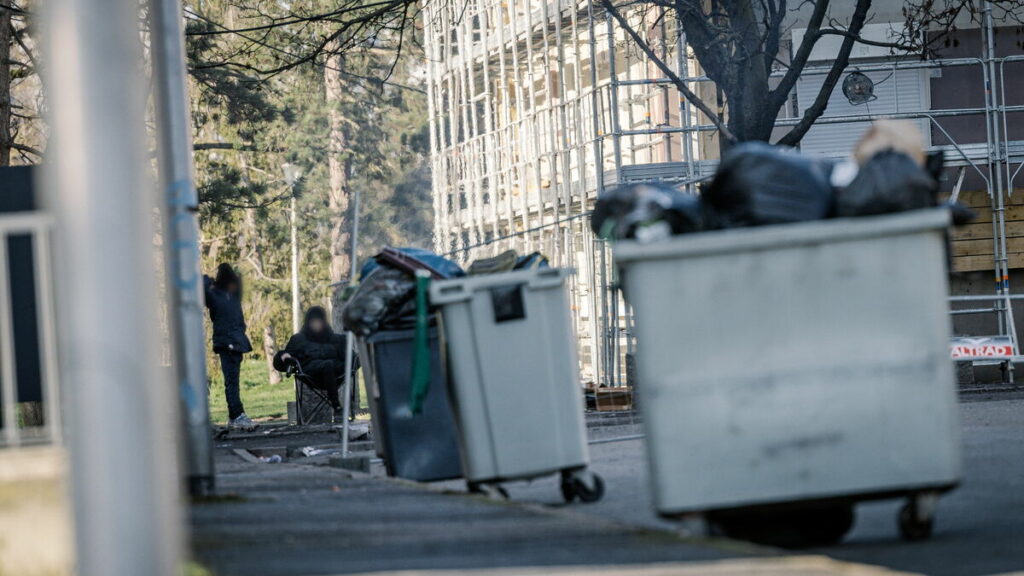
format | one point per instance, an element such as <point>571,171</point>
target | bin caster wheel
<point>913,525</point>
<point>576,486</point>
<point>568,487</point>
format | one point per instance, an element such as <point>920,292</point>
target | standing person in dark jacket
<point>321,354</point>
<point>224,299</point>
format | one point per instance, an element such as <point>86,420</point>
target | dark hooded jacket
<point>308,346</point>
<point>226,311</point>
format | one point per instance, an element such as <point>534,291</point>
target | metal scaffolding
<point>537,105</point>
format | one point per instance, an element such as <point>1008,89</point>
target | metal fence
<point>35,422</point>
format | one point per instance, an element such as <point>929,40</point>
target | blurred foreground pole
<point>181,239</point>
<point>121,413</point>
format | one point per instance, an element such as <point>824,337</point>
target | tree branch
<point>861,40</point>
<point>815,110</point>
<point>778,96</point>
<point>26,149</point>
<point>198,146</point>
<point>667,70</point>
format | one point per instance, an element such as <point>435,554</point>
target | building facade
<point>538,105</point>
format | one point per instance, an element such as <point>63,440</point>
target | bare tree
<point>269,350</point>
<point>338,168</point>
<point>22,131</point>
<point>294,34</point>
<point>738,44</point>
<point>6,37</point>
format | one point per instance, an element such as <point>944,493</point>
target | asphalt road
<point>979,527</point>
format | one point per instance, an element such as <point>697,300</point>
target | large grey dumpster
<point>423,446</point>
<point>514,379</point>
<point>795,364</point>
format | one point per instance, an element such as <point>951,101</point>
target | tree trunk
<point>269,349</point>
<point>338,168</point>
<point>748,71</point>
<point>214,251</point>
<point>5,83</point>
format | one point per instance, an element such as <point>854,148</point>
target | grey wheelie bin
<point>514,379</point>
<point>799,367</point>
<point>424,446</point>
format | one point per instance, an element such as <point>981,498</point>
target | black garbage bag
<point>961,214</point>
<point>890,182</point>
<point>758,184</point>
<point>646,212</point>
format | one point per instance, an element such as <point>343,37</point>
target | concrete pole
<point>120,410</point>
<point>296,313</point>
<point>181,239</point>
<point>349,336</point>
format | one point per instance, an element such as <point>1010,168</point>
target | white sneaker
<point>243,423</point>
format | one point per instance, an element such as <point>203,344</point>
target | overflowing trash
<point>501,263</point>
<point>384,298</point>
<point>531,261</point>
<point>507,261</point>
<point>890,181</point>
<point>758,184</point>
<point>646,212</point>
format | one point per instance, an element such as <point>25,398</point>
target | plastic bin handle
<point>448,291</point>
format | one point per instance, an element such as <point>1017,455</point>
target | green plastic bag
<point>421,345</point>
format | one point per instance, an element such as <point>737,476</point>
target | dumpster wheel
<point>586,486</point>
<point>917,517</point>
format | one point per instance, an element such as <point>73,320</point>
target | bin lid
<point>782,235</point>
<point>461,289</point>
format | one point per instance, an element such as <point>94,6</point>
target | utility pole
<point>120,407</point>
<point>292,173</point>
<point>181,239</point>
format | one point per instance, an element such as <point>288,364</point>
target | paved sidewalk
<point>302,519</point>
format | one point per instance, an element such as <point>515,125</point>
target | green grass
<point>262,400</point>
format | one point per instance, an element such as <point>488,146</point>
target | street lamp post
<point>292,173</point>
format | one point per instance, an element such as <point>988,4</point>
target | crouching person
<point>320,353</point>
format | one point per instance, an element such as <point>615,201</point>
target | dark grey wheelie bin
<point>422,447</point>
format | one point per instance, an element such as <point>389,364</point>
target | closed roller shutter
<point>904,91</point>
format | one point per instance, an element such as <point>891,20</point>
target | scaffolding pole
<point>567,108</point>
